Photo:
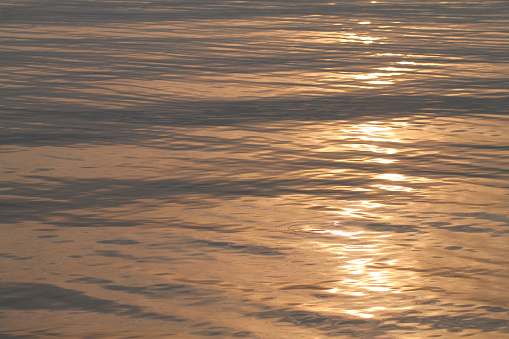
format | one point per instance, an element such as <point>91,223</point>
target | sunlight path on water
<point>254,169</point>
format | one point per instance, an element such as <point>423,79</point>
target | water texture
<point>254,169</point>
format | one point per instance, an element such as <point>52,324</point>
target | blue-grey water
<point>254,169</point>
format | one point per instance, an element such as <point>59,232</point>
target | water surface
<point>254,169</point>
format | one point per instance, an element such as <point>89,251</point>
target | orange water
<point>254,169</point>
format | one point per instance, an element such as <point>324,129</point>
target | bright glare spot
<point>351,212</point>
<point>377,139</point>
<point>360,189</point>
<point>377,289</point>
<point>393,188</point>
<point>335,37</point>
<point>360,261</point>
<point>349,249</point>
<point>386,150</point>
<point>367,38</point>
<point>366,76</point>
<point>390,54</point>
<point>373,130</point>
<point>333,290</point>
<point>400,123</point>
<point>392,177</point>
<point>369,204</point>
<point>381,161</point>
<point>349,281</point>
<point>364,22</point>
<point>342,233</point>
<point>394,69</point>
<point>357,313</point>
<point>373,148</point>
<point>380,82</point>
<point>356,294</point>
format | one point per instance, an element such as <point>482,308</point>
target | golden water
<point>254,169</point>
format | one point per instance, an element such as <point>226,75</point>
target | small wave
<point>328,227</point>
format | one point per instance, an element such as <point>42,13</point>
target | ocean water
<point>254,169</point>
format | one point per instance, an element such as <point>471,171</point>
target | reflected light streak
<point>336,232</point>
<point>368,204</point>
<point>381,160</point>
<point>375,149</point>
<point>400,177</point>
<point>374,75</point>
<point>359,314</point>
<point>355,294</point>
<point>338,37</point>
<point>352,212</point>
<point>376,131</point>
<point>359,248</point>
<point>391,54</point>
<point>380,82</point>
<point>393,188</point>
<point>378,289</point>
<point>362,209</point>
<point>392,177</point>
<point>360,189</point>
<point>365,313</point>
<point>359,212</point>
<point>368,270</point>
<point>372,129</point>
<point>364,39</point>
<point>394,69</point>
<point>418,63</point>
<point>371,280</point>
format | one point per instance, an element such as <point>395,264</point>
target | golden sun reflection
<point>392,177</point>
<point>376,131</point>
<point>394,69</point>
<point>337,232</point>
<point>340,37</point>
<point>368,204</point>
<point>375,75</point>
<point>393,188</point>
<point>365,313</point>
<point>360,212</point>
<point>400,177</point>
<point>381,160</point>
<point>363,39</point>
<point>380,82</point>
<point>369,270</point>
<point>373,148</point>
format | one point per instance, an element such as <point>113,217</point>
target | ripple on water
<point>322,228</point>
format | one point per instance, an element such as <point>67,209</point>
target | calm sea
<point>254,169</point>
